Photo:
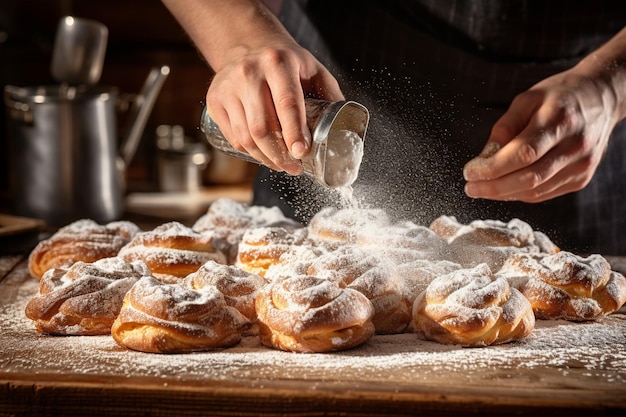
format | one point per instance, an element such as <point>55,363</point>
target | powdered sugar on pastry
<point>565,285</point>
<point>84,299</point>
<point>172,250</point>
<point>472,307</point>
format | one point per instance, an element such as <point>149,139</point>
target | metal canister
<point>326,120</point>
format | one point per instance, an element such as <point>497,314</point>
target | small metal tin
<point>323,118</point>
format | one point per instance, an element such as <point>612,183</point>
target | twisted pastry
<point>310,314</point>
<point>83,240</point>
<point>262,247</point>
<point>472,307</point>
<point>567,286</point>
<point>490,241</point>
<point>353,268</point>
<point>172,251</point>
<point>403,242</point>
<point>169,318</point>
<point>85,299</point>
<point>227,220</point>
<point>332,226</point>
<point>239,287</point>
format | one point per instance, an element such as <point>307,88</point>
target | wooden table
<point>563,368</point>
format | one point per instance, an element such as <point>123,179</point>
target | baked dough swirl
<point>353,268</point>
<point>85,299</point>
<point>490,241</point>
<point>83,240</point>
<point>565,285</point>
<point>238,286</point>
<point>262,247</point>
<point>310,314</point>
<point>227,220</point>
<point>472,307</point>
<point>172,251</point>
<point>169,318</point>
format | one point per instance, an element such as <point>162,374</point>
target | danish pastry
<point>332,226</point>
<point>353,268</point>
<point>490,241</point>
<point>238,286</point>
<point>172,251</point>
<point>169,318</point>
<point>262,247</point>
<point>565,285</point>
<point>472,307</point>
<point>85,299</point>
<point>83,240</point>
<point>227,220</point>
<point>310,314</point>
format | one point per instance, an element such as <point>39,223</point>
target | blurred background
<point>142,35</point>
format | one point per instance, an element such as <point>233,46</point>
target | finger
<point>524,181</point>
<point>238,134</point>
<point>542,133</point>
<point>265,131</point>
<point>567,181</point>
<point>288,100</point>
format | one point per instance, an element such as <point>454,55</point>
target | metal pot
<point>65,164</point>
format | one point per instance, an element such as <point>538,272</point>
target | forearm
<point>224,29</point>
<point>609,63</point>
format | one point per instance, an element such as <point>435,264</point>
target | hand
<point>548,143</point>
<point>257,100</point>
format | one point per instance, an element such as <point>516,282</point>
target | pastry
<point>332,226</point>
<point>490,241</point>
<point>172,251</point>
<point>227,220</point>
<point>310,314</point>
<point>472,307</point>
<point>83,240</point>
<point>262,247</point>
<point>238,286</point>
<point>375,278</point>
<point>84,299</point>
<point>170,318</point>
<point>565,285</point>
<point>403,242</point>
<point>414,277</point>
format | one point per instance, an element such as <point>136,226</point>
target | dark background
<point>142,34</point>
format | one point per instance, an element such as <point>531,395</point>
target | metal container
<point>180,161</point>
<point>325,119</point>
<point>63,144</point>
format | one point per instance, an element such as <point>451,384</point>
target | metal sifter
<point>338,130</point>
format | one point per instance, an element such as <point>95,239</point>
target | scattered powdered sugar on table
<point>596,350</point>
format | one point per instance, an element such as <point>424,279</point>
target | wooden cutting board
<point>563,368</point>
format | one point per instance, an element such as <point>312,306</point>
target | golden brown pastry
<point>403,242</point>
<point>490,241</point>
<point>85,299</point>
<point>172,251</point>
<point>170,318</point>
<point>332,226</point>
<point>238,286</point>
<point>83,240</point>
<point>472,307</point>
<point>262,247</point>
<point>414,277</point>
<point>565,285</point>
<point>227,220</point>
<point>310,314</point>
<point>351,267</point>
